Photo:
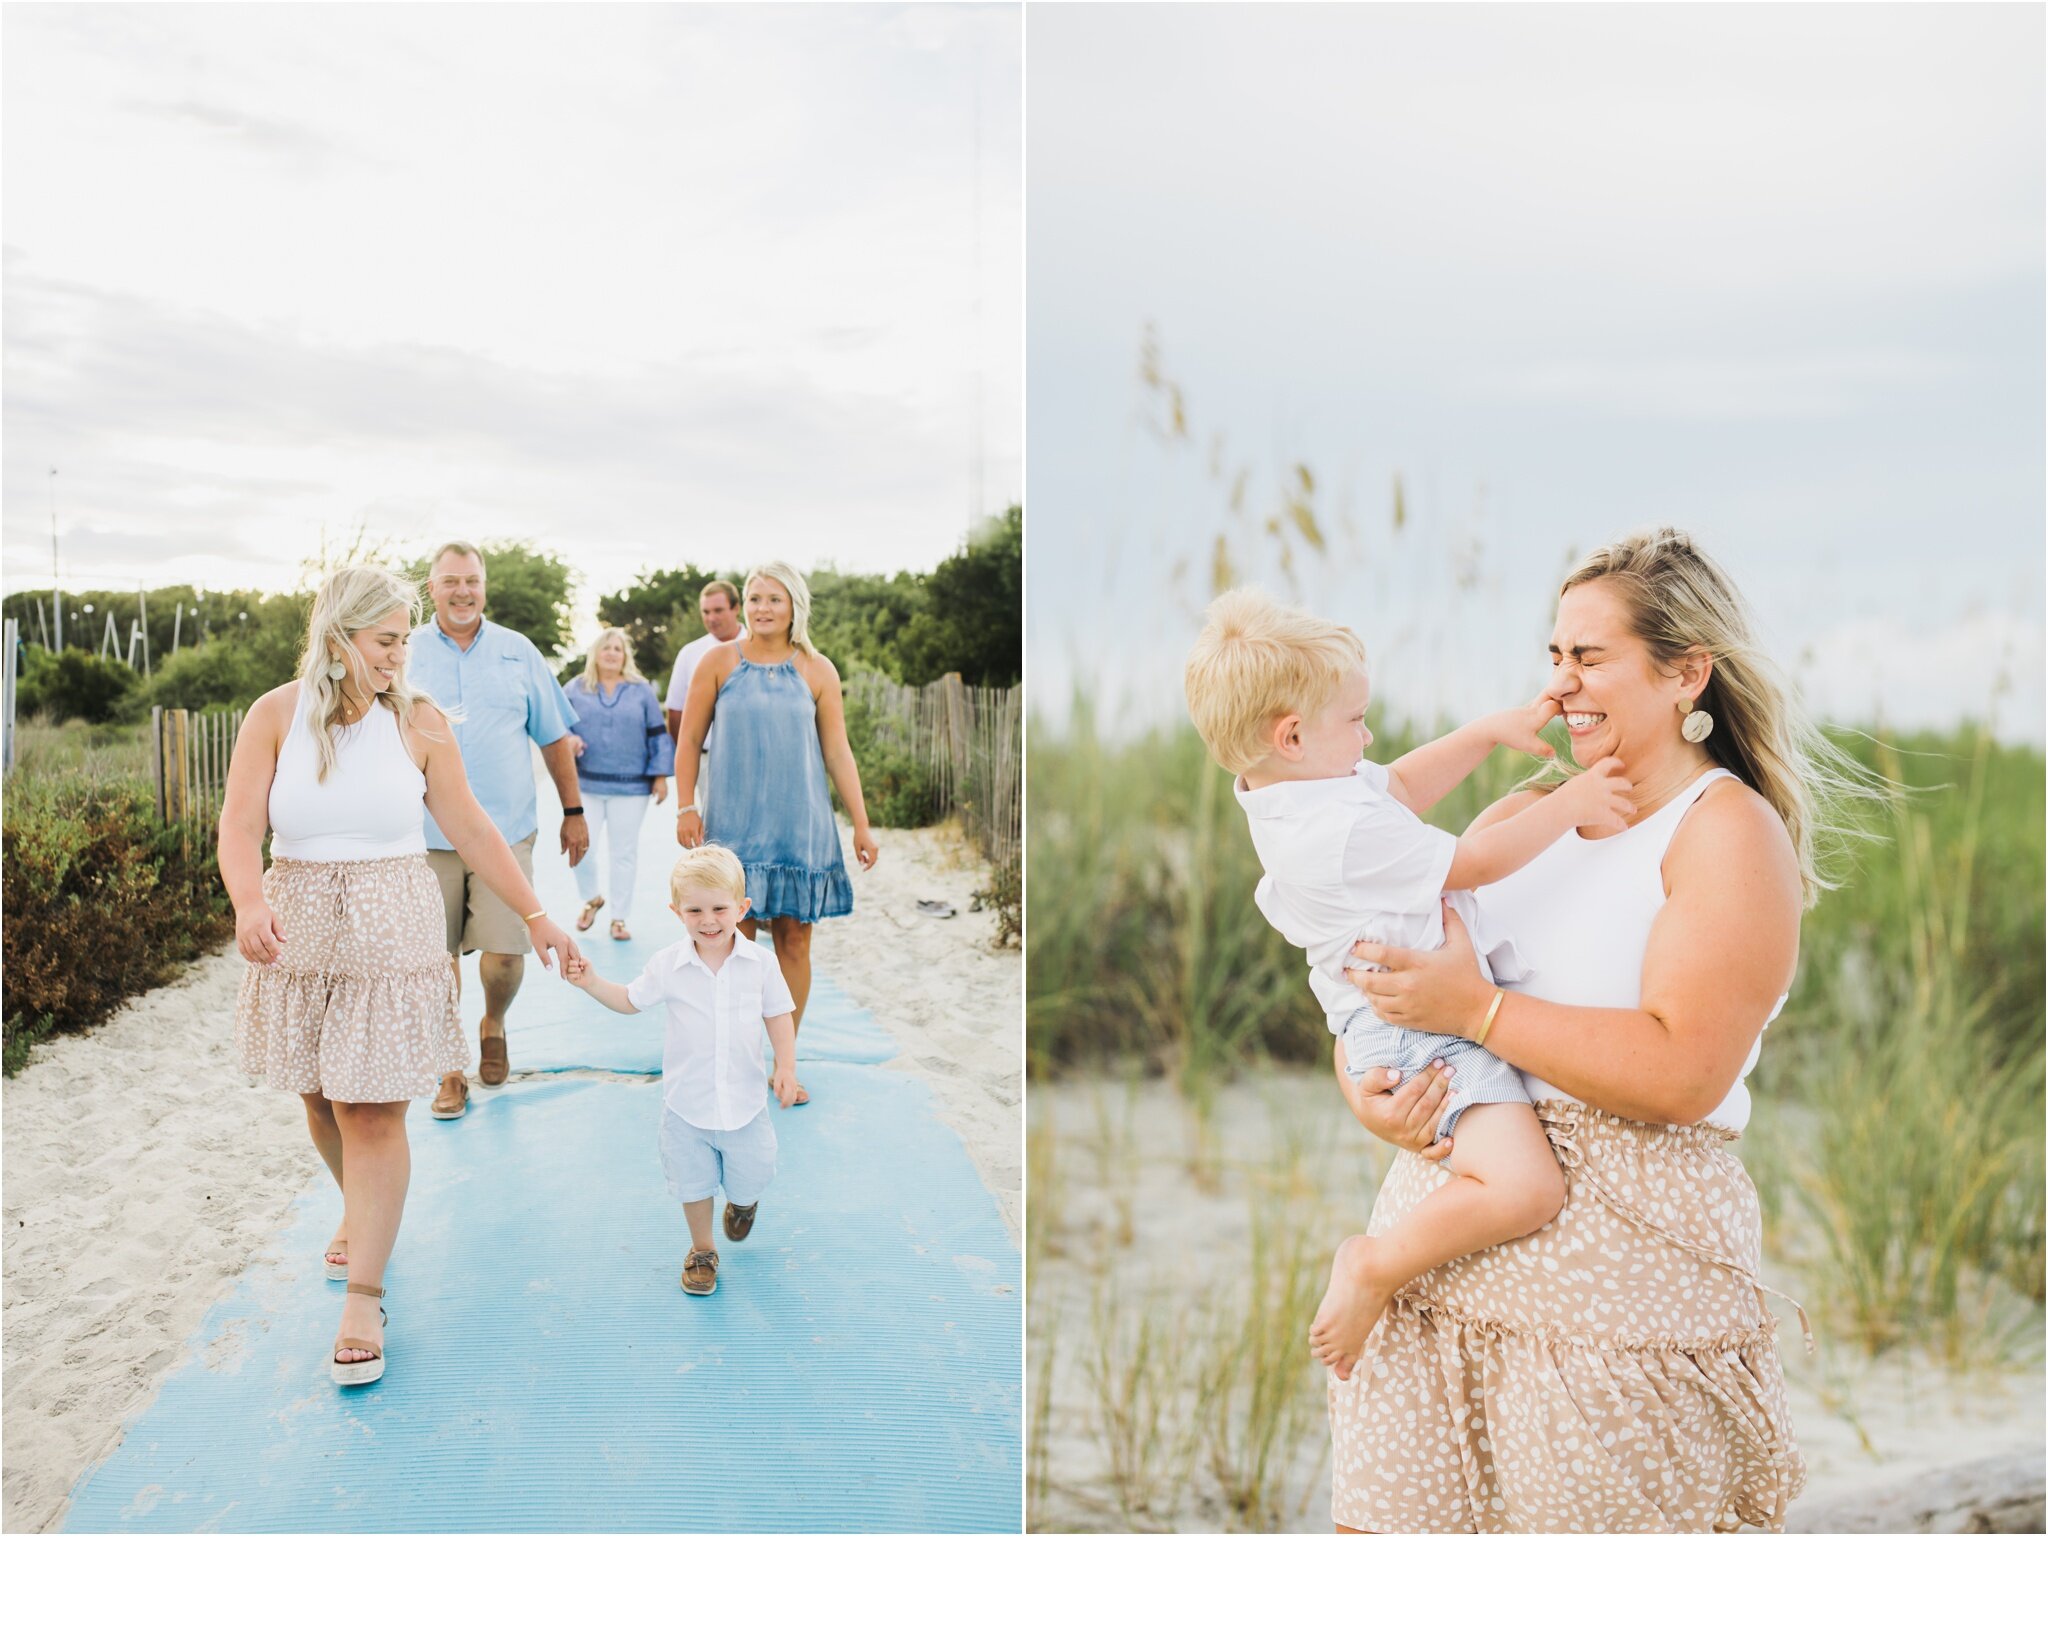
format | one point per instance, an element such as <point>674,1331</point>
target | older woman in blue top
<point>781,737</point>
<point>622,758</point>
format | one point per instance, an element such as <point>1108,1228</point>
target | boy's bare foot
<point>1352,1305</point>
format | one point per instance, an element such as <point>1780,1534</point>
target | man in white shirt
<point>719,606</point>
<point>715,989</point>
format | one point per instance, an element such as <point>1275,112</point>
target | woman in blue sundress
<point>781,737</point>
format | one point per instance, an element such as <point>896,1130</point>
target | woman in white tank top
<point>1616,1371</point>
<point>349,998</point>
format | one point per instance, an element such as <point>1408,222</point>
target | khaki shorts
<point>474,917</point>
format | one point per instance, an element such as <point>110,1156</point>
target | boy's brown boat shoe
<point>700,1272</point>
<point>739,1220</point>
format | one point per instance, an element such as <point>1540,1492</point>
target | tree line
<point>211,648</point>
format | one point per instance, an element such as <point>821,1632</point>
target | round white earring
<point>1694,724</point>
<point>336,671</point>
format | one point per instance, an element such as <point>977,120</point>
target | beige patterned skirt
<point>360,1007</point>
<point>1616,1372</point>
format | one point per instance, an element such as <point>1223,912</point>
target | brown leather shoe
<point>497,1061</point>
<point>700,1272</point>
<point>739,1220</point>
<point>451,1101</point>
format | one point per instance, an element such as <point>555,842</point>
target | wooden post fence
<point>189,753</point>
<point>971,741</point>
<point>13,678</point>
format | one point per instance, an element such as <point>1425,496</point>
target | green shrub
<point>217,675</point>
<point>900,789</point>
<point>1004,893</point>
<point>100,904</point>
<point>75,685</point>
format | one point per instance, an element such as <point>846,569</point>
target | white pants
<point>616,817</point>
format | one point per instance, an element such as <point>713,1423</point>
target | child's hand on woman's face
<point>1599,799</point>
<point>1521,729</point>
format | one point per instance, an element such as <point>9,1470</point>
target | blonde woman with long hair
<point>349,1000</point>
<point>623,755</point>
<point>781,738</point>
<point>1635,1319</point>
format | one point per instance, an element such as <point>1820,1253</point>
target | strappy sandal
<point>370,1368</point>
<point>588,918</point>
<point>619,932</point>
<point>335,1270</point>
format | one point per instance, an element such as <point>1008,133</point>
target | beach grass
<point>1912,1041</point>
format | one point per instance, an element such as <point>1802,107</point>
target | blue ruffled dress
<point>769,799</point>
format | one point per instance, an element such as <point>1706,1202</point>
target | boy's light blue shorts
<point>1481,1076</point>
<point>699,1162</point>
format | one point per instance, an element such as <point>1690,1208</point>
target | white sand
<point>1118,1209</point>
<point>954,1002</point>
<point>141,1172</point>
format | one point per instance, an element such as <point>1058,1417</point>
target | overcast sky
<point>1771,273</point>
<point>639,282</point>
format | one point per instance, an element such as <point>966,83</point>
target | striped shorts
<point>1481,1077</point>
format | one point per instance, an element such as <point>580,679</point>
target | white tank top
<point>373,804</point>
<point>1581,913</point>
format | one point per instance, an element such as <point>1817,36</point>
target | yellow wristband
<point>539,912</point>
<point>1492,1011</point>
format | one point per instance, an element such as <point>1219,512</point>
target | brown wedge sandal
<point>336,1270</point>
<point>372,1367</point>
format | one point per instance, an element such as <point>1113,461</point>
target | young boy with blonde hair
<point>1279,696</point>
<point>715,989</point>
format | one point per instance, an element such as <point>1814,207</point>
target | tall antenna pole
<point>56,580</point>
<point>980,509</point>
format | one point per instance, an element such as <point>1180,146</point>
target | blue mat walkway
<point>859,1367</point>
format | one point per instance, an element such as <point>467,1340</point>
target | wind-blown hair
<point>799,601</point>
<point>1679,601</point>
<point>350,600</point>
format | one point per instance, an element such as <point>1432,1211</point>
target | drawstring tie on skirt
<point>1561,1121</point>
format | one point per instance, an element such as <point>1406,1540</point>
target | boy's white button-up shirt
<point>1345,861</point>
<point>713,1074</point>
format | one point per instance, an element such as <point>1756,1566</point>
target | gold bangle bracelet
<point>539,912</point>
<point>1492,1011</point>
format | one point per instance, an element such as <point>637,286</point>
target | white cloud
<point>638,280</point>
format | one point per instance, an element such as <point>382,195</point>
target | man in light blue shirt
<point>508,698</point>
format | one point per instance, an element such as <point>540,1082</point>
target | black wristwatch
<point>572,812</point>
